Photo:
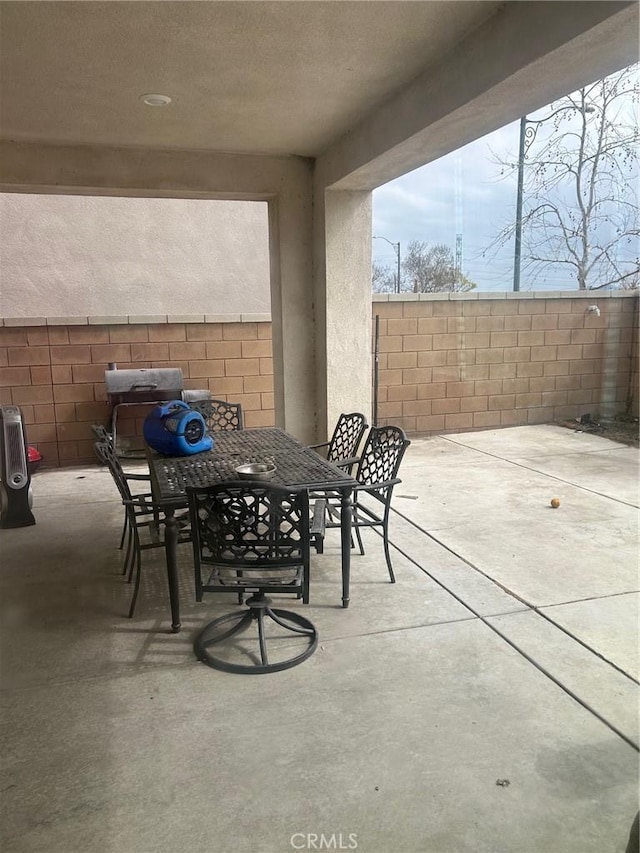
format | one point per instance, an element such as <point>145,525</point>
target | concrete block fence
<point>54,370</point>
<point>448,363</point>
<point>473,361</point>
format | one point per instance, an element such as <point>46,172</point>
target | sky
<point>421,205</point>
<point>463,192</point>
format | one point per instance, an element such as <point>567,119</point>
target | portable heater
<point>175,429</point>
<point>15,485</point>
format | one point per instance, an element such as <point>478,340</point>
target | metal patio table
<point>296,465</point>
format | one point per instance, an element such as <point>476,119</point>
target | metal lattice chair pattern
<point>251,537</point>
<point>377,476</point>
<point>219,415</point>
<point>101,433</point>
<point>345,441</point>
<point>140,513</point>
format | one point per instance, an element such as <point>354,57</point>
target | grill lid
<point>159,381</point>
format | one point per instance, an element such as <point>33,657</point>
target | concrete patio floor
<point>485,702</point>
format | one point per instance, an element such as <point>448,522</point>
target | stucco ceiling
<point>267,77</point>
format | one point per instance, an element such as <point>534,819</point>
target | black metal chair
<point>251,537</point>
<point>103,435</point>
<point>376,475</point>
<point>219,415</point>
<point>140,513</point>
<point>343,446</point>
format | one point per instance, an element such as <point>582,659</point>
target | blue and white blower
<point>175,429</point>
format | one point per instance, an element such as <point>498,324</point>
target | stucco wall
<point>87,255</point>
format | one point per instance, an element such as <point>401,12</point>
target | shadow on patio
<point>485,702</point>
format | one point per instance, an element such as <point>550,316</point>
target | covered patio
<point>486,701</point>
<point>307,106</point>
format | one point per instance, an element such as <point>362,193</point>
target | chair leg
<point>359,538</point>
<point>305,626</point>
<point>306,582</point>
<point>124,532</point>
<point>198,580</point>
<point>261,639</point>
<point>136,587</point>
<point>129,555</point>
<point>135,556</point>
<point>385,530</point>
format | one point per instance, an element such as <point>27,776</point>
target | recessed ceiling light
<point>155,100</point>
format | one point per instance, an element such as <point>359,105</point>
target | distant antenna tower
<point>459,254</point>
<point>458,206</point>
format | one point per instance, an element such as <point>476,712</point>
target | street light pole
<point>396,247</point>
<point>528,131</point>
<point>518,245</point>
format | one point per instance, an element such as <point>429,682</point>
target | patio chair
<point>219,415</point>
<point>343,446</point>
<point>140,513</point>
<point>251,537</point>
<point>376,476</point>
<point>103,435</point>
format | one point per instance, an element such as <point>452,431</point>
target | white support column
<point>292,310</point>
<point>342,273</point>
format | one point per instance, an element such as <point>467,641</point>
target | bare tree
<point>580,190</point>
<point>431,269</point>
<point>382,279</point>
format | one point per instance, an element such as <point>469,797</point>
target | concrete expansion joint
<point>564,687</point>
<point>401,629</point>
<point>528,607</point>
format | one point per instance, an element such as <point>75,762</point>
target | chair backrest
<point>101,433</point>
<point>106,454</point>
<point>346,437</point>
<point>219,415</point>
<point>382,455</point>
<point>249,525</point>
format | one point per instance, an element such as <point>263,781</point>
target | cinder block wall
<point>55,373</point>
<point>447,364</point>
<point>634,378</point>
<point>469,361</point>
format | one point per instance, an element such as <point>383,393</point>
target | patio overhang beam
<point>520,59</point>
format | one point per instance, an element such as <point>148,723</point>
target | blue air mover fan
<point>174,429</point>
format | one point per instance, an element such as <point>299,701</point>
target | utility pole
<point>458,206</point>
<point>518,243</point>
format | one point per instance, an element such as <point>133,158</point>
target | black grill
<point>143,385</point>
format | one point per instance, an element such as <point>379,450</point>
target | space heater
<point>175,429</point>
<point>15,482</point>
